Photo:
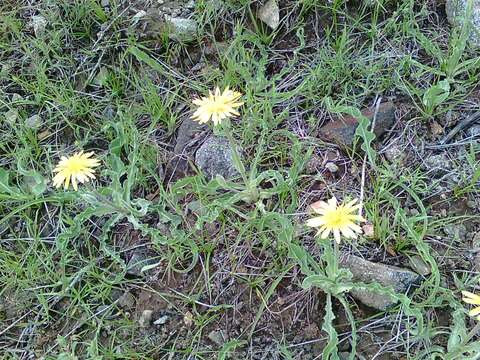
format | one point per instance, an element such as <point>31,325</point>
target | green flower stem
<point>237,160</point>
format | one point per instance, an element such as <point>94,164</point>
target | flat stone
<point>388,276</point>
<point>181,29</point>
<point>214,158</point>
<point>342,130</point>
<point>457,14</point>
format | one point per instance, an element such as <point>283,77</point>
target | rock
<point>420,266</point>
<point>438,164</point>
<point>476,241</point>
<point>139,259</point>
<point>368,231</point>
<point>395,154</point>
<point>314,165</point>
<point>269,13</point>
<point>456,14</point>
<point>436,128</point>
<point>456,231</point>
<point>105,3</point>
<point>186,137</point>
<point>162,320</point>
<point>474,131</point>
<point>33,122</point>
<point>145,319</point>
<point>181,29</point>
<point>188,319</point>
<point>214,158</point>
<point>342,130</point>
<point>217,337</point>
<point>11,116</point>
<point>332,167</point>
<point>127,300</point>
<point>388,276</point>
<point>186,134</point>
<point>38,23</point>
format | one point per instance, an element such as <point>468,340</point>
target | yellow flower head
<point>473,299</point>
<point>339,219</point>
<point>217,106</point>
<point>76,168</point>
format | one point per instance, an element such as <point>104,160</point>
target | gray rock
<point>217,337</point>
<point>456,14</point>
<point>145,319</point>
<point>269,13</point>
<point>162,320</point>
<point>438,164</point>
<point>388,276</point>
<point>139,259</point>
<point>186,138</point>
<point>474,130</point>
<point>456,231</point>
<point>214,158</point>
<point>395,154</point>
<point>331,166</point>
<point>38,23</point>
<point>420,266</point>
<point>186,134</point>
<point>127,300</point>
<point>181,29</point>
<point>11,116</point>
<point>34,122</point>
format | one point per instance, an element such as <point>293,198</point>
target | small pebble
<point>368,230</point>
<point>332,167</point>
<point>145,318</point>
<point>414,212</point>
<point>420,266</point>
<point>161,320</point>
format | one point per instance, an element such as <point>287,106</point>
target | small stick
<point>460,126</point>
<point>364,165</point>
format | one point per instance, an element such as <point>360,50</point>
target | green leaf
<point>436,95</point>
<point>330,351</point>
<point>229,347</point>
<point>35,183</point>
<point>458,330</point>
<point>5,188</point>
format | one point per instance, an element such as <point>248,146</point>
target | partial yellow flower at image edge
<point>75,169</point>
<point>473,299</point>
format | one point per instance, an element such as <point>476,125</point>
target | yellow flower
<point>217,106</point>
<point>76,168</point>
<point>339,219</point>
<point>473,299</point>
